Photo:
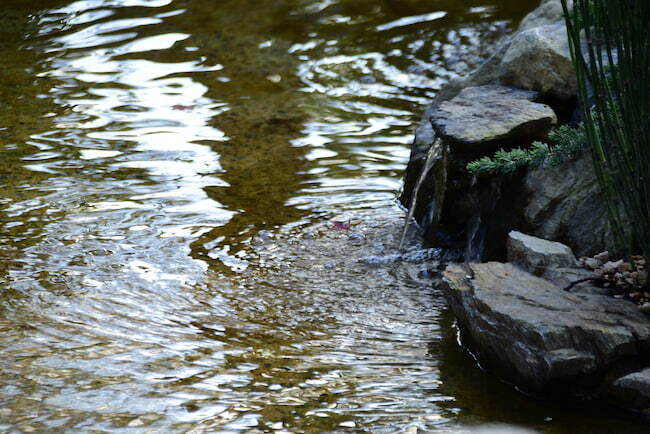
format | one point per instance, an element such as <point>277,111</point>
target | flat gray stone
<point>632,391</point>
<point>563,277</point>
<point>491,115</point>
<point>537,336</point>
<point>537,255</point>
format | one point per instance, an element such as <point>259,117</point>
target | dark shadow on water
<point>261,167</point>
<point>480,397</point>
<point>22,115</point>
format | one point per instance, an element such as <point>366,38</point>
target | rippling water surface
<point>198,219</point>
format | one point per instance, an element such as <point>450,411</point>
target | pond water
<point>199,224</point>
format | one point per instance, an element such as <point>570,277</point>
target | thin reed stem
<point>610,48</point>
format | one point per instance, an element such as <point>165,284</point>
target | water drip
<point>433,156</point>
<point>483,203</point>
<point>475,243</point>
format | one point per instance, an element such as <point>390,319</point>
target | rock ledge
<point>539,337</point>
<point>491,115</point>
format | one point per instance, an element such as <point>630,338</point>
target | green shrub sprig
<point>568,143</point>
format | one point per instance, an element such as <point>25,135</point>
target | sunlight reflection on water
<point>199,222</point>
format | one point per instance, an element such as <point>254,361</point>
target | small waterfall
<point>433,156</point>
<point>475,243</point>
<point>483,202</point>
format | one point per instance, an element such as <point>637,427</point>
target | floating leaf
<point>342,226</point>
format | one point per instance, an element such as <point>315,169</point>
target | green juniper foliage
<point>568,143</point>
<point>610,47</point>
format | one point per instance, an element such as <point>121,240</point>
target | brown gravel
<point>627,279</point>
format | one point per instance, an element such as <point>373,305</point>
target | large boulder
<point>565,204</point>
<point>539,59</point>
<point>539,337</point>
<point>536,57</point>
<point>481,118</point>
<point>548,12</point>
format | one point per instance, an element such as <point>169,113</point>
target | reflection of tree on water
<point>262,172</point>
<point>262,168</point>
<point>251,40</point>
<point>22,116</point>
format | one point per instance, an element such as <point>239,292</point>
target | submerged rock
<point>539,337</point>
<point>499,428</point>
<point>483,117</point>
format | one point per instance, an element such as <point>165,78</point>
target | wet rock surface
<point>539,337</point>
<point>539,47</point>
<point>539,59</point>
<point>537,255</point>
<point>548,12</point>
<point>465,115</point>
<point>517,320</point>
<point>565,204</point>
<point>491,115</point>
<point>475,123</point>
<point>632,390</point>
<point>568,277</point>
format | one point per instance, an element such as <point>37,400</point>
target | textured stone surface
<point>563,277</point>
<point>491,115</point>
<point>491,71</point>
<point>565,204</point>
<point>537,336</point>
<point>432,192</point>
<point>539,59</point>
<point>536,58</point>
<point>632,391</point>
<point>537,255</point>
<point>548,12</point>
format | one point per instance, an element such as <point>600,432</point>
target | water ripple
<point>197,211</point>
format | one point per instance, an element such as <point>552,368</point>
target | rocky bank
<point>508,296</point>
<point>561,203</point>
<point>520,323</point>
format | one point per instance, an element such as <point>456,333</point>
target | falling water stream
<point>199,227</point>
<point>433,156</point>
